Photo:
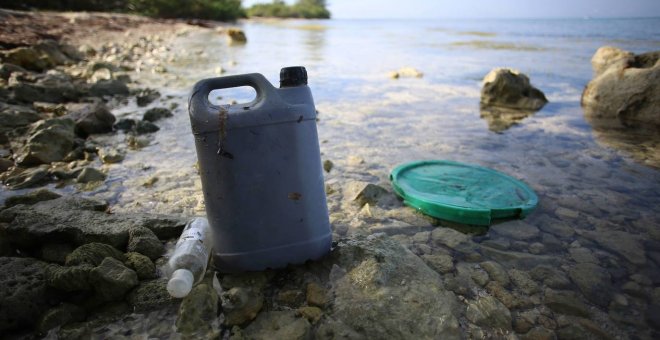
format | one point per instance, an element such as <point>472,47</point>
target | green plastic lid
<point>463,193</point>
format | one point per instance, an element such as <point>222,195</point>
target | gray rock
<point>79,221</point>
<point>625,244</point>
<point>90,118</point>
<point>146,96</point>
<point>551,277</point>
<point>59,316</point>
<point>93,254</point>
<point>150,295</point>
<point>13,116</point>
<point>6,69</point>
<point>111,155</point>
<point>143,127</point>
<point>108,88</point>
<point>523,281</point>
<point>316,295</point>
<point>450,238</point>
<point>49,141</point>
<point>566,302</point>
<point>112,280</point>
<point>51,88</point>
<point>312,314</point>
<point>23,287</point>
<point>291,298</point>
<point>125,124</point>
<point>362,193</point>
<point>142,265</point>
<point>556,227</point>
<point>512,89</point>
<point>21,178</point>
<point>517,230</point>
<point>440,263</point>
<point>69,279</point>
<point>198,309</point>
<point>582,255</point>
<point>377,266</point>
<point>156,113</point>
<point>593,281</point>
<point>241,305</point>
<point>142,240</point>
<point>89,174</point>
<point>498,243</point>
<point>496,272</point>
<point>623,94</point>
<point>31,198</point>
<point>278,325</point>
<point>27,57</point>
<point>518,259</point>
<point>5,164</point>
<point>55,252</point>
<point>487,311</point>
<point>539,333</point>
<point>52,52</point>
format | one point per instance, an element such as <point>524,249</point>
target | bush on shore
<point>307,9</point>
<point>189,9</point>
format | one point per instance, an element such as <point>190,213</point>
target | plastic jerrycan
<point>260,166</point>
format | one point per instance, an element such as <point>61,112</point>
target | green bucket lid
<point>463,193</point>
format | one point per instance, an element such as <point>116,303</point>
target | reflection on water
<point>500,119</point>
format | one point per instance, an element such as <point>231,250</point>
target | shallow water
<point>369,123</point>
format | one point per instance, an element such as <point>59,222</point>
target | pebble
<point>489,312</point>
<point>523,281</point>
<point>441,263</point>
<point>316,295</point>
<point>496,272</point>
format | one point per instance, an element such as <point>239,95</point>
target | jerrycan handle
<point>200,108</point>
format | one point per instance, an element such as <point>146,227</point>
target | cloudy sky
<point>488,8</point>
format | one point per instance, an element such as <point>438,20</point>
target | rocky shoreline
<point>72,268</point>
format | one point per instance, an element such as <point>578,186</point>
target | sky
<point>394,9</point>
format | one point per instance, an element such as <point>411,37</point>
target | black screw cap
<point>293,76</point>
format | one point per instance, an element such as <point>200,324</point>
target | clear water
<point>369,123</point>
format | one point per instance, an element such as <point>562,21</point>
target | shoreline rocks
<point>509,88</point>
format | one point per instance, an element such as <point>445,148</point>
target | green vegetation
<point>189,9</point>
<point>308,9</point>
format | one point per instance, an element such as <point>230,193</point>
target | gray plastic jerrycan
<point>261,172</point>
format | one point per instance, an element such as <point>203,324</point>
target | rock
<point>486,311</point>
<point>627,245</point>
<point>327,165</point>
<point>278,325</point>
<point>108,88</point>
<point>517,230</point>
<point>52,53</point>
<point>69,279</point>
<point>290,298</point>
<point>90,175</point>
<point>518,259</point>
<point>93,254</point>
<point>550,276</point>
<point>21,178</point>
<point>13,116</point>
<point>539,333</point>
<point>449,238</point>
<point>55,252</point>
<point>573,331</point>
<point>150,295</point>
<point>312,314</point>
<point>31,198</point>
<point>79,221</point>
<point>142,240</point>
<point>198,309</point>
<point>241,305</point>
<point>316,295</point>
<point>496,272</point>
<point>362,193</point>
<point>156,113</point>
<point>23,287</point>
<point>367,271</point>
<point>442,264</point>
<point>53,87</point>
<point>6,69</point>
<point>556,227</point>
<point>509,300</point>
<point>112,280</point>
<point>60,316</point>
<point>509,88</point>
<point>146,96</point>
<point>49,141</point>
<point>90,118</point>
<point>27,57</point>
<point>111,155</point>
<point>5,164</point>
<point>406,72</point>
<point>593,281</point>
<point>144,127</point>
<point>142,265</point>
<point>236,36</point>
<point>125,124</point>
<point>582,255</point>
<point>566,302</point>
<point>623,93</point>
<point>523,281</point>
